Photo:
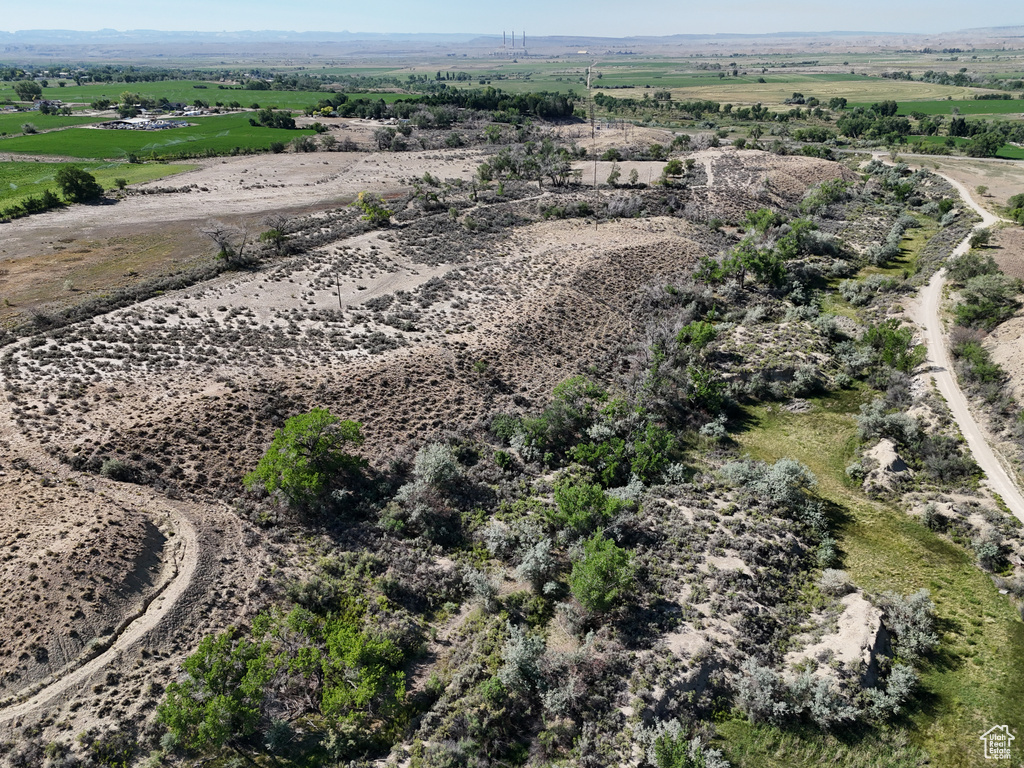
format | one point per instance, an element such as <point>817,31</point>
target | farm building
<point>143,124</point>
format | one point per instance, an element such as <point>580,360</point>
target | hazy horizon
<point>600,18</point>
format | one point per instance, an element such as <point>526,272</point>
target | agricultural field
<point>183,91</point>
<point>860,89</point>
<point>12,123</point>
<point>216,134</point>
<point>22,179</point>
<point>965,106</point>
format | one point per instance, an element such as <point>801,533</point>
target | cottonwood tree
<point>77,185</point>
<point>231,242</point>
<point>306,455</point>
<point>28,90</point>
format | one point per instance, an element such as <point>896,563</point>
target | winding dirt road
<point>997,476</point>
<point>184,561</point>
<point>157,607</point>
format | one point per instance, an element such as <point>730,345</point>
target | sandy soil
<point>386,328</point>
<point>1004,178</point>
<point>998,476</point>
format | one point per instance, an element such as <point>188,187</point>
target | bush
<point>520,669</point>
<point>835,583</point>
<point>115,469</point>
<point>435,465</point>
<point>911,620</point>
<point>968,265</point>
<point>602,576</point>
<point>893,345</point>
<point>761,693</point>
<point>582,506</point>
<point>784,484</point>
<point>987,301</point>
<point>373,209</point>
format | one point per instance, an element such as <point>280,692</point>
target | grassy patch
<point>913,242</point>
<point>977,678</point>
<point>770,747</point>
<point>11,122</point>
<point>23,179</point>
<point>962,107</point>
<point>219,134</point>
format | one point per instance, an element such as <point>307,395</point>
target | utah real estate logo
<point>997,742</point>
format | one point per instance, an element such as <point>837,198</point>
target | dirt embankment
<point>413,333</point>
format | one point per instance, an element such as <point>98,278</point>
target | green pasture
<point>184,91</point>
<point>977,676</point>
<point>218,134</point>
<point>1006,152</point>
<point>964,106</point>
<point>11,122</point>
<point>25,179</point>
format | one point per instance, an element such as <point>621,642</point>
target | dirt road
<point>134,629</point>
<point>997,477</point>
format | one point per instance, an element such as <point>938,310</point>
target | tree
<point>276,236</point>
<point>672,168</point>
<point>28,90</point>
<point>77,185</point>
<point>219,702</point>
<point>614,175</point>
<point>602,576</point>
<point>306,455</point>
<point>981,237</point>
<point>230,241</point>
<point>373,209</point>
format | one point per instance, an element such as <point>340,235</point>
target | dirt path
<point>183,563</point>
<point>927,316</point>
<point>156,608</point>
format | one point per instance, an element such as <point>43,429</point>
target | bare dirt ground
<point>1004,178</point>
<point>998,476</point>
<point>414,331</point>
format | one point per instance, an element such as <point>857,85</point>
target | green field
<point>965,107</point>
<point>23,179</point>
<point>11,122</point>
<point>1006,152</point>
<point>174,90</point>
<point>218,134</point>
<point>977,677</point>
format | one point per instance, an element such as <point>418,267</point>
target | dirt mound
<point>74,566</point>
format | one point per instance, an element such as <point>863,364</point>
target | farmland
<point>13,122</point>
<point>218,134</point>
<point>21,179</point>
<point>182,91</point>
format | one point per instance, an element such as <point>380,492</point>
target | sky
<point>539,17</point>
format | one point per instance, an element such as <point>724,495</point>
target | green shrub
<point>306,455</point>
<point>582,506</point>
<point>602,576</point>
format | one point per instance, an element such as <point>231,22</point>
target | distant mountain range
<point>260,45</point>
<point>77,37</point>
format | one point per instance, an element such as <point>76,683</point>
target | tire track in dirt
<point>156,606</point>
<point>927,316</point>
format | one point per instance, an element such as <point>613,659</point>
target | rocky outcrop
<point>853,648</point>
